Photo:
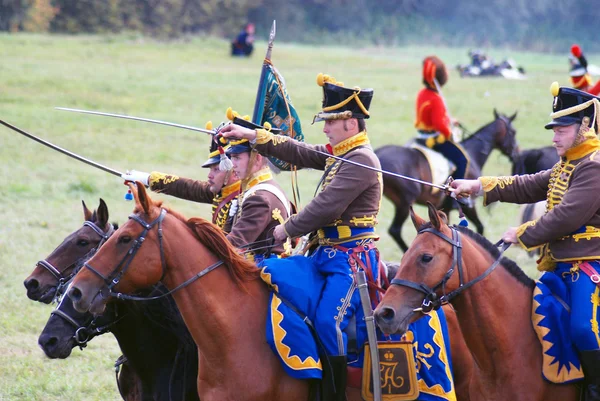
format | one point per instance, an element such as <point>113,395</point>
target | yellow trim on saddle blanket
<point>550,366</point>
<point>293,361</point>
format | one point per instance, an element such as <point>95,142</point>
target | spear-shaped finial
<point>271,40</point>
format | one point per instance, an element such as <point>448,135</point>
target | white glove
<point>465,188</point>
<point>134,175</point>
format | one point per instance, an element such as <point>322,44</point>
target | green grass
<point>189,83</point>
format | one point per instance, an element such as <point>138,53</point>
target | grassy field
<point>187,82</point>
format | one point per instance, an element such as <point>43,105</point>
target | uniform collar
<point>347,145</point>
<point>262,175</point>
<point>231,188</point>
<point>583,149</point>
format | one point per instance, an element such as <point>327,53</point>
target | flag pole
<point>259,103</point>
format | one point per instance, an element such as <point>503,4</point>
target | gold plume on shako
<point>323,79</point>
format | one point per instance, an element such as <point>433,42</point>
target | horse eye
<point>426,258</point>
<point>125,239</point>
<point>82,242</point>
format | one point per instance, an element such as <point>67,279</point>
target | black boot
<point>590,362</point>
<point>334,389</point>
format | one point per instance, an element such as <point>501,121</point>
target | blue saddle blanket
<point>291,340</point>
<point>550,317</point>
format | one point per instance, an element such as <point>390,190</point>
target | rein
<point>117,273</point>
<point>432,301</point>
<point>484,150</point>
<point>63,280</point>
<point>84,333</point>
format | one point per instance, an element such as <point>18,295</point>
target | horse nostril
<point>51,343</point>
<point>75,294</point>
<point>386,313</point>
<point>31,284</point>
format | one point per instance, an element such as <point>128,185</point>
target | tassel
<point>462,219</point>
<point>129,195</point>
<point>225,164</point>
<point>461,216</point>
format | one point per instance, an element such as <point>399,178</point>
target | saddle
<point>441,168</point>
<point>423,360</point>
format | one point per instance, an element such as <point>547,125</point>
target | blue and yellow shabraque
<point>290,339</point>
<point>550,316</point>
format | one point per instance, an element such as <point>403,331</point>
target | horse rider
<point>247,202</point>
<point>262,204</point>
<point>572,213</point>
<point>343,213</point>
<point>221,189</point>
<point>433,122</point>
<point>580,78</point>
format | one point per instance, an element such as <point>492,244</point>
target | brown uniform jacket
<point>350,195</point>
<point>259,212</point>
<point>570,229</point>
<point>199,191</point>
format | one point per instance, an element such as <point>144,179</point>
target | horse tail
<point>213,238</point>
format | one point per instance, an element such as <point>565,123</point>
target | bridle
<point>432,301</point>
<point>85,332</point>
<point>117,273</point>
<point>509,132</point>
<point>63,280</point>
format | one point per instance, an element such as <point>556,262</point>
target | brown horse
<point>60,266</point>
<point>493,306</point>
<point>220,308</point>
<point>499,134</point>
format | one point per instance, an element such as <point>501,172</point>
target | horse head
<point>50,273</point>
<point>67,328</point>
<point>506,138</point>
<point>426,263</point>
<point>123,264</point>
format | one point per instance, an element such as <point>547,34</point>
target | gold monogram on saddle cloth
<point>398,372</point>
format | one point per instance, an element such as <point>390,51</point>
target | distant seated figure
<point>477,57</point>
<point>244,43</point>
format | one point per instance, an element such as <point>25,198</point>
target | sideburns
<point>345,125</point>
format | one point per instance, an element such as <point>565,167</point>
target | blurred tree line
<point>527,24</point>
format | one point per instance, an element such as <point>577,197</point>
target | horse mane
<point>510,265</point>
<point>213,238</point>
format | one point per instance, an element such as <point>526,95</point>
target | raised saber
<point>404,177</point>
<point>61,150</point>
<point>148,120</point>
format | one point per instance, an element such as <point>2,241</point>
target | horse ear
<point>102,214</point>
<point>496,116</point>
<point>87,214</point>
<point>512,118</point>
<point>143,198</point>
<point>434,217</point>
<point>443,217</point>
<point>418,222</point>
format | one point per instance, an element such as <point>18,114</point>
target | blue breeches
<point>340,299</point>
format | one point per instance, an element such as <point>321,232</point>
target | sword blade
<point>404,177</point>
<point>147,120</point>
<point>61,150</point>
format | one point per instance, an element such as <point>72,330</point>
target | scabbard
<point>363,290</point>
